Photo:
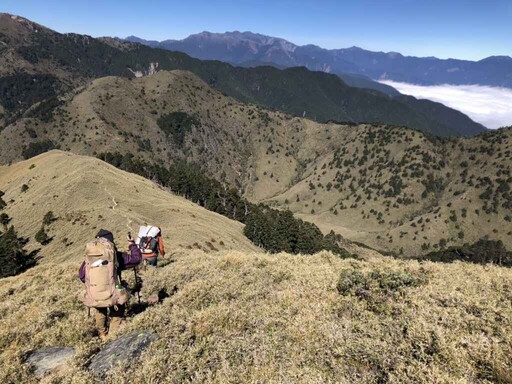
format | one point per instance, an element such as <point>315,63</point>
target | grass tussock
<point>237,317</point>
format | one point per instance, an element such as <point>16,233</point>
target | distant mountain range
<point>39,64</point>
<point>247,48</point>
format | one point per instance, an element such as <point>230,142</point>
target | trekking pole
<point>137,283</point>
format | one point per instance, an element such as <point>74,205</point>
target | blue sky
<point>466,29</point>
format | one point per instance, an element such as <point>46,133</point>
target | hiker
<point>151,244</point>
<point>101,273</point>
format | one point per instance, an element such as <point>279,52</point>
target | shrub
<point>2,202</point>
<point>377,288</point>
<point>4,219</point>
<point>353,281</point>
<point>24,188</point>
<point>49,218</point>
<point>393,281</point>
<point>42,237</point>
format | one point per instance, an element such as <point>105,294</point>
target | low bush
<point>355,282</point>
<point>49,218</point>
<point>4,219</point>
<point>42,237</point>
<point>2,202</point>
<point>377,286</point>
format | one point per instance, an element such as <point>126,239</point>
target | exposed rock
<point>121,351</point>
<point>153,68</point>
<point>45,360</point>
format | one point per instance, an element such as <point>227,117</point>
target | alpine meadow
<point>236,208</point>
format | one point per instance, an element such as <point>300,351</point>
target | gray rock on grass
<point>121,351</point>
<point>45,360</point>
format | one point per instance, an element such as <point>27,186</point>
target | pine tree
<point>13,258</point>
<point>49,218</point>
<point>4,220</point>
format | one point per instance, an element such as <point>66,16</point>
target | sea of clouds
<point>490,106</point>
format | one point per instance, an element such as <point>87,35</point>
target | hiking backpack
<point>102,279</point>
<point>147,240</point>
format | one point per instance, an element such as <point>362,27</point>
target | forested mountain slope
<point>390,187</point>
<point>38,64</point>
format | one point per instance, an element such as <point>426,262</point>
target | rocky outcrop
<point>46,360</point>
<point>121,351</point>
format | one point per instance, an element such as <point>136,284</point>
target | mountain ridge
<point>51,63</point>
<point>73,181</point>
<point>365,181</point>
<point>375,64</point>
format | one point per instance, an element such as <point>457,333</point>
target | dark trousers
<point>152,261</point>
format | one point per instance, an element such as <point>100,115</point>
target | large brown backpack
<point>102,280</point>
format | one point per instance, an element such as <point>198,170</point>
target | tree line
<point>271,229</point>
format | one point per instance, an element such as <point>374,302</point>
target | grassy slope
<point>88,194</point>
<point>366,214</point>
<point>238,315</point>
<point>242,317</point>
<point>273,157</point>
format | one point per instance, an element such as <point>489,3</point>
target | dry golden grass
<point>237,315</point>
<point>87,194</point>
<point>247,317</point>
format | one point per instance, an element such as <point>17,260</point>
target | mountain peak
<point>497,59</point>
<point>12,23</point>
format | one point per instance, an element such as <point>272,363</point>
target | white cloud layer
<point>490,106</point>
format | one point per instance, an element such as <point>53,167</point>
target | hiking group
<point>105,291</point>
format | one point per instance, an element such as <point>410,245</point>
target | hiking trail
<point>115,204</point>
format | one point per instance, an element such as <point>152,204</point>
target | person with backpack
<point>151,244</point>
<point>101,274</point>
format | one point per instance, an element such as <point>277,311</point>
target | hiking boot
<point>103,336</point>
